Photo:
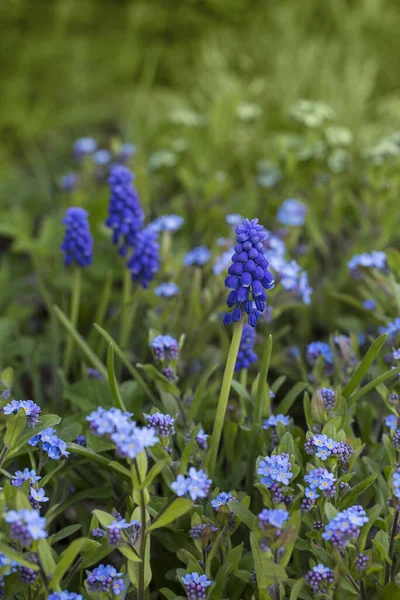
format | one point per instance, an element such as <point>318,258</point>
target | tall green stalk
<point>211,459</point>
<point>261,402</point>
<point>74,313</point>
<point>125,316</point>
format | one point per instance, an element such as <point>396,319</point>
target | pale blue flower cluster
<point>196,586</point>
<point>197,484</point>
<point>346,526</point>
<point>64,595</point>
<point>198,256</point>
<point>391,421</point>
<point>372,260</point>
<point>392,329</point>
<point>317,349</point>
<point>50,443</point>
<point>294,279</point>
<point>167,223</point>
<point>274,420</point>
<point>320,445</point>
<point>275,469</point>
<point>167,290</point>
<point>29,407</point>
<point>221,499</point>
<point>273,517</point>
<point>396,483</point>
<point>26,525</point>
<point>292,212</point>
<point>319,480</point>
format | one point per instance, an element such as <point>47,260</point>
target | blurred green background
<point>76,67</point>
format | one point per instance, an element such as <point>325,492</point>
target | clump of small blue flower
<point>234,219</point>
<point>203,529</point>
<point>125,215</point>
<point>65,595</point>
<point>361,562</point>
<point>197,484</point>
<point>391,421</point>
<point>81,441</point>
<point>105,578</point>
<point>8,565</point>
<point>50,443</point>
<point>295,280</point>
<point>328,396</point>
<point>346,526</point>
<point>317,349</point>
<point>221,499</point>
<point>26,574</point>
<point>36,497</point>
<point>274,420</point>
<point>116,527</point>
<point>396,354</point>
<point>275,469</point>
<point>26,475</point>
<point>26,525</point>
<point>94,374</point>
<point>320,579</point>
<point>393,330</point>
<point>201,439</point>
<point>273,518</point>
<point>292,212</point>
<point>319,480</point>
<point>246,355</point>
<point>84,146</point>
<point>77,244</point>
<point>167,223</point>
<point>98,533</point>
<point>169,373</point>
<point>165,347</point>
<point>393,398</point>
<point>167,290</point>
<point>396,483</point>
<point>164,425</point>
<point>145,260</point>
<point>69,181</point>
<point>31,410</point>
<point>248,275</point>
<point>321,446</point>
<point>126,151</point>
<point>222,262</point>
<point>369,304</point>
<point>101,157</point>
<point>197,257</point>
<point>196,586</point>
<point>373,260</point>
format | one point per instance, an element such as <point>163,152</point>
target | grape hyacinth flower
<point>125,215</point>
<point>196,586</point>
<point>50,443</point>
<point>65,595</point>
<point>320,579</point>
<point>198,256</point>
<point>328,396</point>
<point>167,290</point>
<point>292,212</point>
<point>167,223</point>
<point>145,260</point>
<point>346,526</point>
<point>26,475</point>
<point>162,424</point>
<point>78,242</point>
<point>246,355</point>
<point>106,579</point>
<point>26,525</point>
<point>197,484</point>
<point>248,275</point>
<point>274,420</point>
<point>373,260</point>
<point>165,347</point>
<point>275,469</point>
<point>31,410</point>
<point>201,439</point>
<point>84,146</point>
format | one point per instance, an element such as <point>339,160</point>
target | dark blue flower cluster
<point>125,215</point>
<point>246,355</point>
<point>145,260</point>
<point>346,526</point>
<point>78,242</point>
<point>196,586</point>
<point>320,579</point>
<point>248,275</point>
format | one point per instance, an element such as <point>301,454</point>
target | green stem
<point>243,377</point>
<point>363,593</point>
<point>125,317</point>
<point>223,398</point>
<point>75,301</point>
<point>261,400</point>
<point>3,455</point>
<point>142,547</point>
<point>388,570</point>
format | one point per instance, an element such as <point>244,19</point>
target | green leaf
<point>267,572</point>
<point>80,546</point>
<point>155,375</point>
<point>154,471</point>
<point>244,514</point>
<point>129,553</point>
<point>171,512</point>
<point>45,421</point>
<point>63,533</point>
<point>103,517</point>
<point>15,425</point>
<point>296,589</point>
<point>307,410</point>
<point>133,568</point>
<point>372,514</point>
<point>390,451</point>
<point>355,492</point>
<point>372,385</point>
<point>168,594</point>
<point>365,364</point>
<point>112,379</point>
<point>46,557</point>
<point>134,372</point>
<point>241,390</point>
<point>14,555</point>
<point>286,403</point>
<point>391,592</point>
<point>243,575</point>
<point>199,393</point>
<point>86,349</point>
<point>7,375</point>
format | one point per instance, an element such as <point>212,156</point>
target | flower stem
<point>75,301</point>
<point>363,593</point>
<point>142,547</point>
<point>125,316</point>
<point>258,411</point>
<point>3,455</point>
<point>388,570</point>
<point>223,398</point>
